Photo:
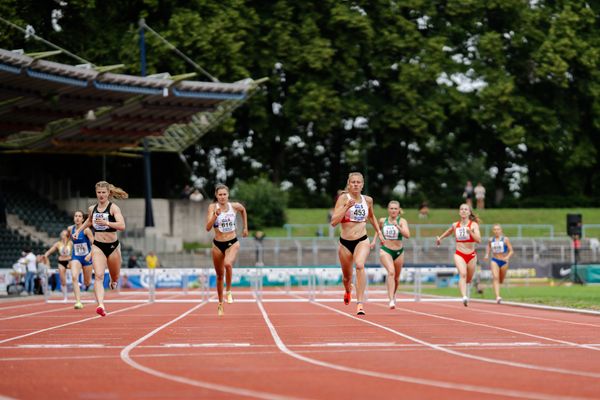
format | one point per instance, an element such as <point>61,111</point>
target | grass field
<point>556,217</point>
<point>566,295</point>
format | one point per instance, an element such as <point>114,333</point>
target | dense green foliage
<point>264,202</point>
<point>419,95</point>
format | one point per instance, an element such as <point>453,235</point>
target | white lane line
<point>70,323</point>
<point>466,355</point>
<point>188,381</point>
<point>35,313</point>
<point>525,316</point>
<point>41,303</point>
<point>403,378</point>
<point>324,345</point>
<point>573,344</point>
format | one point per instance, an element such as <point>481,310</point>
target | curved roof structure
<point>50,107</point>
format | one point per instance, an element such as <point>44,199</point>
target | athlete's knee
<point>360,266</point>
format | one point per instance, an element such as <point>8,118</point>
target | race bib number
<point>390,232</point>
<point>462,233</point>
<point>103,217</point>
<point>227,225</point>
<point>497,247</point>
<point>358,213</point>
<point>81,249</point>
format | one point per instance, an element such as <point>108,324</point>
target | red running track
<point>286,350</point>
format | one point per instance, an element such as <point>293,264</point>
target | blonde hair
<point>113,191</point>
<point>350,175</point>
<point>396,202</point>
<point>472,215</point>
<point>220,186</point>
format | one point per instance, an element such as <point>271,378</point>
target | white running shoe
<point>229,297</point>
<point>499,300</point>
<point>465,301</point>
<point>392,304</point>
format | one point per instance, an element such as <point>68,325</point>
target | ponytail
<point>113,191</point>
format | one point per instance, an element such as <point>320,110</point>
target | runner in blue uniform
<point>502,250</point>
<point>82,256</point>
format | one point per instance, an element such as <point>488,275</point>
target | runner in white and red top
<point>352,210</point>
<point>466,232</point>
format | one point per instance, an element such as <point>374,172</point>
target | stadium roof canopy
<point>48,107</point>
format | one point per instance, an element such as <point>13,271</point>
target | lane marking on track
<point>70,323</point>
<point>525,316</point>
<point>35,313</point>
<point>125,356</point>
<point>465,355</point>
<point>403,378</point>
<point>23,305</point>
<point>323,345</point>
<point>573,344</point>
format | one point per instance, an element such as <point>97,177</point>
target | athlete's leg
<point>398,264</point>
<point>114,266</point>
<point>218,261</point>
<point>496,277</point>
<point>62,272</point>
<point>75,270</point>
<point>461,266</point>
<point>99,264</point>
<point>230,256</point>
<point>346,262</point>
<point>360,257</point>
<point>388,263</point>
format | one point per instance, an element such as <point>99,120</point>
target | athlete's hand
<point>245,232</point>
<point>75,235</point>
<point>350,203</point>
<point>372,245</point>
<point>438,241</point>
<point>217,211</point>
<point>88,257</point>
<point>486,257</point>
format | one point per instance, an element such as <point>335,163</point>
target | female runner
<point>221,216</point>
<point>501,249</point>
<point>64,247</point>
<point>467,234</point>
<point>82,257</point>
<point>106,219</point>
<point>391,254</point>
<point>352,209</point>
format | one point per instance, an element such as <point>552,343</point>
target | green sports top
<point>390,232</point>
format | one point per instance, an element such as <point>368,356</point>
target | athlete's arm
<point>381,220</point>
<point>211,216</point>
<point>341,206</point>
<point>242,210</point>
<point>510,248</point>
<point>119,223</point>
<point>373,220</point>
<point>488,249</point>
<point>403,227</point>
<point>51,250</point>
<point>86,224</point>
<point>475,232</point>
<point>448,232</point>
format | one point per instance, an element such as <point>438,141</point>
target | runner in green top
<point>391,254</point>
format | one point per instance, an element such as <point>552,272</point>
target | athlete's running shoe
<point>465,301</point>
<point>499,300</point>
<point>78,306</point>
<point>359,309</point>
<point>101,311</point>
<point>347,298</point>
<point>220,310</point>
<point>392,304</point>
<point>113,284</point>
<point>229,297</point>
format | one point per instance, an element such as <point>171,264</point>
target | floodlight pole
<point>149,216</point>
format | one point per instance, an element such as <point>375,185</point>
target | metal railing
<point>430,230</point>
